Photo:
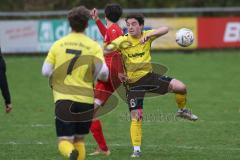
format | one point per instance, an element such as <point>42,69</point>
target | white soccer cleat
<point>136,154</point>
<point>186,114</point>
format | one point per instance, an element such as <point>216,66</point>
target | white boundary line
<point>186,147</point>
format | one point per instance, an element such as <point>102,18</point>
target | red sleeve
<point>101,27</point>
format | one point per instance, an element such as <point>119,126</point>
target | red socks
<point>96,129</point>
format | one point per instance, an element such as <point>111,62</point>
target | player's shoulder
<point>83,40</point>
<point>91,45</point>
<point>115,26</point>
<point>121,38</point>
<point>89,41</point>
<point>115,29</point>
<point>126,36</point>
<point>60,41</point>
<point>148,31</point>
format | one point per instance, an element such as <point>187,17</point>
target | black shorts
<point>73,118</point>
<point>152,83</point>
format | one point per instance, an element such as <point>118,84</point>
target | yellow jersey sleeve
<point>118,43</point>
<point>51,57</point>
<point>150,31</point>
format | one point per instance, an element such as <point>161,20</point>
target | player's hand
<point>144,39</point>
<point>94,14</point>
<point>8,108</point>
<point>122,77</point>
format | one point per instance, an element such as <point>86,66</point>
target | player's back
<point>73,57</point>
<point>74,44</point>
<point>113,32</point>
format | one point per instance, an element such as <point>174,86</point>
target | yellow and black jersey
<point>136,56</point>
<point>74,57</point>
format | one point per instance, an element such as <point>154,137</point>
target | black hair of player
<point>138,16</point>
<point>113,12</point>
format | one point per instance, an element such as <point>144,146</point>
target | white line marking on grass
<point>41,125</point>
<point>178,146</point>
<point>33,125</point>
<point>11,142</point>
<point>186,147</point>
<point>39,142</point>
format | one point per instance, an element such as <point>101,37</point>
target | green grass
<point>212,78</point>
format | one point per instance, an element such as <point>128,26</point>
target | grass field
<point>212,78</point>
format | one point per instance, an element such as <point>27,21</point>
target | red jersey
<point>113,61</point>
<point>111,33</point>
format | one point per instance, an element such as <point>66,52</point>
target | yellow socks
<point>80,147</point>
<point>181,100</point>
<point>65,147</point>
<point>136,132</point>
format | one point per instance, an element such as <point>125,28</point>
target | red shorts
<point>103,90</point>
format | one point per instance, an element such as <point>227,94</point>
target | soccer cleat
<point>74,155</point>
<point>186,114</point>
<point>136,154</point>
<point>98,151</point>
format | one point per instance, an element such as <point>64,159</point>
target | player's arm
<point>116,45</point>
<point>101,26</point>
<point>101,70</point>
<point>48,65</point>
<point>153,34</point>
<point>47,69</point>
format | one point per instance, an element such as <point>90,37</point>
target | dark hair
<point>138,16</point>
<point>78,18</point>
<point>113,12</point>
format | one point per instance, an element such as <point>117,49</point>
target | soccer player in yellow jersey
<point>73,63</point>
<point>135,49</point>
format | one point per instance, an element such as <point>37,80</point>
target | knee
<point>79,138</point>
<point>65,139</point>
<point>177,86</point>
<point>137,114</point>
<point>182,88</point>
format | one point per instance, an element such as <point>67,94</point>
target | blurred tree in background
<point>43,5</point>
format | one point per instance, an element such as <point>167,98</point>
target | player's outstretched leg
<point>180,91</point>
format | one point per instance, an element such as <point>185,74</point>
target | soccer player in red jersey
<point>113,60</point>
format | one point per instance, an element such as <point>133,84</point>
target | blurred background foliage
<point>43,5</point>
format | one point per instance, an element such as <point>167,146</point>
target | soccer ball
<point>184,37</point>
